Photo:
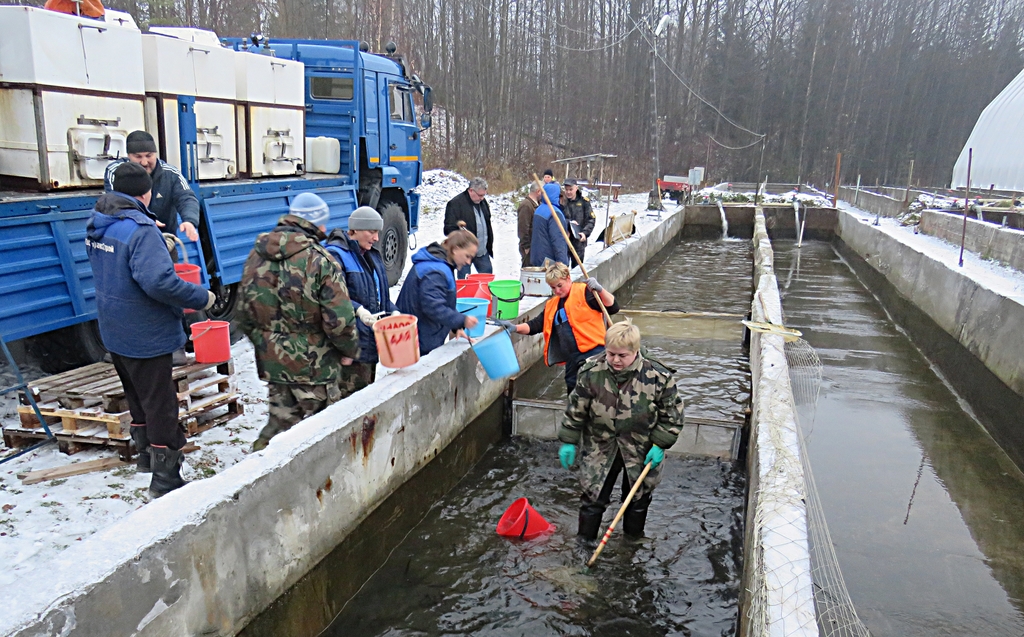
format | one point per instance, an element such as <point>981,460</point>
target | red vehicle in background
<point>677,187</point>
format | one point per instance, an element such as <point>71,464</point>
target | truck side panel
<point>235,221</point>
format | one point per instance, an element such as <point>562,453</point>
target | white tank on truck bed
<point>186,61</point>
<point>72,90</point>
<point>272,111</point>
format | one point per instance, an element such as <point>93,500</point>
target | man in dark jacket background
<point>138,301</point>
<point>172,198</point>
<point>527,207</point>
<point>548,242</point>
<point>294,307</point>
<point>367,282</point>
<point>471,209</point>
<point>580,216</point>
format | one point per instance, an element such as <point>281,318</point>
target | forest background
<point>519,82</point>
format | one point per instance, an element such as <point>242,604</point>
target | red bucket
<point>523,522</point>
<point>485,289</point>
<point>467,289</point>
<point>190,273</point>
<point>212,341</point>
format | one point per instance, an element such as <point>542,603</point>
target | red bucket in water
<point>484,280</point>
<point>523,522</point>
<point>212,341</point>
<point>190,273</point>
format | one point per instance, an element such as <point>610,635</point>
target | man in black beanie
<point>138,302</point>
<point>172,198</point>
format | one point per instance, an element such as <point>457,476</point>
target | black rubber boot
<point>635,518</point>
<point>166,471</point>
<point>141,440</point>
<point>590,521</point>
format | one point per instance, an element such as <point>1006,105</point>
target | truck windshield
<point>331,88</point>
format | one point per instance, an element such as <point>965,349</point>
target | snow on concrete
<point>990,274</point>
<point>38,522</point>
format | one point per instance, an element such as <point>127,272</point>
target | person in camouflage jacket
<point>624,412</point>
<point>295,309</point>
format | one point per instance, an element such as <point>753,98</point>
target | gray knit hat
<point>311,208</point>
<point>365,218</point>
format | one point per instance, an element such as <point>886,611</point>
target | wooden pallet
<point>98,385</point>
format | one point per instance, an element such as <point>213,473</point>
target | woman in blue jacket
<point>429,289</point>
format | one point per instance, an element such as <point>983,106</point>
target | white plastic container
<point>323,155</point>
<point>534,282</point>
<point>272,119</point>
<point>65,108</point>
<point>182,61</point>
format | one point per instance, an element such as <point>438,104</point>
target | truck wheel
<point>223,308</point>
<point>69,347</point>
<point>394,241</point>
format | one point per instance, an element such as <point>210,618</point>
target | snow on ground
<point>724,193</point>
<point>988,273</point>
<point>39,521</point>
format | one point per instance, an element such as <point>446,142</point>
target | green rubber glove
<point>567,454</point>
<point>655,455</point>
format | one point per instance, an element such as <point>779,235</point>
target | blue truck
<point>362,99</point>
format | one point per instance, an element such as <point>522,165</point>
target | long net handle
<point>622,511</point>
<point>583,268</point>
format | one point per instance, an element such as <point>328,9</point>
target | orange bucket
<point>523,522</point>
<point>484,292</point>
<point>212,341</point>
<point>190,273</point>
<point>398,341</point>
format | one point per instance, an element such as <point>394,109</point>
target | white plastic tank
<point>323,155</point>
<point>186,61</point>
<point>272,93</point>
<point>73,89</point>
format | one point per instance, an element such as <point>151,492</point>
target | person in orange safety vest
<point>572,322</point>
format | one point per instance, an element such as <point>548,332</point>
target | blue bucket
<point>474,307</point>
<point>497,356</point>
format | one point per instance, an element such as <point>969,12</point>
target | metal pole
<point>760,164</point>
<point>856,193</point>
<point>967,200</point>
<point>839,164</point>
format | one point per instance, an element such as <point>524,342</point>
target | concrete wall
<point>777,596</point>
<point>207,558</point>
<point>973,333</point>
<point>988,240</point>
<point>705,222</point>
<point>872,202</point>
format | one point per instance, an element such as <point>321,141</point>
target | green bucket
<point>507,293</point>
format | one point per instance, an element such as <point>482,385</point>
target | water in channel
<point>924,508</point>
<point>453,575</point>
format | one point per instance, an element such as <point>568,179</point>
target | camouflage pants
<point>291,403</point>
<point>356,376</point>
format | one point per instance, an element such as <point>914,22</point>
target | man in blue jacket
<point>138,300</point>
<point>548,241</point>
<point>367,281</point>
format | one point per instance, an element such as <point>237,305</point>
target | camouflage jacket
<point>624,412</point>
<point>294,307</point>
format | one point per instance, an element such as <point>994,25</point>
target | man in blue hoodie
<point>548,241</point>
<point>367,281</point>
<point>138,300</point>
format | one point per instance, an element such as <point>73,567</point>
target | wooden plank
<point>66,377</point>
<point>77,469</point>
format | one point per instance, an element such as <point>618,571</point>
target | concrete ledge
<point>988,240</point>
<point>705,222</point>
<point>873,202</point>
<point>207,558</point>
<point>984,322</point>
<point>778,597</point>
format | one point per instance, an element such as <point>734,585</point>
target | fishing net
<point>835,611</point>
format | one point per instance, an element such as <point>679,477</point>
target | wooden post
<point>839,164</point>
<point>967,202</point>
<point>910,180</point>
<point>856,193</point>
